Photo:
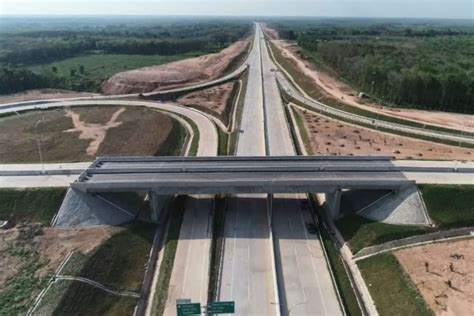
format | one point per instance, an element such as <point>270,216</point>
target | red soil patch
<point>444,274</point>
<point>332,137</point>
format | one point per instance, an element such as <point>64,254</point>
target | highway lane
<point>251,139</point>
<point>278,136</point>
<point>190,275</point>
<point>247,275</point>
<point>305,283</point>
<point>304,278</point>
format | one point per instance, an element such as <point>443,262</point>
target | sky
<point>452,9</point>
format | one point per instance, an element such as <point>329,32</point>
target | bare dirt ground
<point>95,132</point>
<point>344,93</point>
<point>214,100</point>
<point>42,94</point>
<point>91,131</point>
<point>332,137</point>
<point>177,74</point>
<point>444,274</point>
<point>271,33</point>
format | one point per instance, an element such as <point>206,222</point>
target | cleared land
<point>449,206</point>
<point>444,274</point>
<point>31,252</point>
<point>216,100</point>
<point>332,137</point>
<point>82,133</point>
<point>330,87</point>
<point>181,73</point>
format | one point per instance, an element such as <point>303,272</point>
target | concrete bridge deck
<point>220,175</point>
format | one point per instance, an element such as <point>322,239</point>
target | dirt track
<point>341,91</point>
<point>177,74</point>
<point>444,274</point>
<point>332,137</point>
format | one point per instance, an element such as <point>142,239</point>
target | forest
<point>26,44</point>
<point>425,64</point>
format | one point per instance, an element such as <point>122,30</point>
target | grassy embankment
<point>169,252</point>
<point>30,205</point>
<point>391,288</point>
<point>33,206</point>
<point>216,246</point>
<point>118,264</point>
<point>315,92</point>
<point>449,206</point>
<point>234,135</point>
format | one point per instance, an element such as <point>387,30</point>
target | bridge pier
<point>333,203</point>
<point>158,203</point>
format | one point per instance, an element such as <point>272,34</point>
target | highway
<point>247,266</point>
<point>251,140</point>
<point>305,284</point>
<point>271,264</point>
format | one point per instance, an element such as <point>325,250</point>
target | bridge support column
<point>333,203</point>
<point>158,204</point>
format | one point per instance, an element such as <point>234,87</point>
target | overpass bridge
<point>233,175</point>
<point>164,177</point>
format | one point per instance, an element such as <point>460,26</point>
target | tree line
<point>425,67</point>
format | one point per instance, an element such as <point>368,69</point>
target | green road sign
<point>188,309</point>
<point>221,308</point>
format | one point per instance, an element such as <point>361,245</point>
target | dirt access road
<point>444,274</point>
<point>344,93</point>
